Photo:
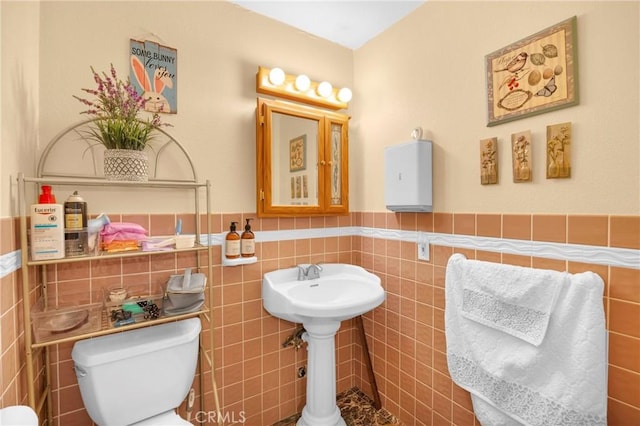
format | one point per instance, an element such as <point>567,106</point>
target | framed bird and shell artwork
<point>534,75</point>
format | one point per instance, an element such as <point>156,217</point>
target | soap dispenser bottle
<point>232,243</point>
<point>248,241</point>
<point>47,227</point>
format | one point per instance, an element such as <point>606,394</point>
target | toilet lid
<point>169,418</point>
<point>18,415</point>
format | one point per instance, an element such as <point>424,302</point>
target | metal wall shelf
<point>69,149</point>
<point>106,329</point>
<point>105,256</point>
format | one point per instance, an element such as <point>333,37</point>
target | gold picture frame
<point>305,188</point>
<point>293,187</point>
<point>534,75</point>
<point>298,154</point>
<point>298,187</point>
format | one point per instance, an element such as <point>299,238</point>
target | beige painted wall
<point>428,70</point>
<point>19,95</point>
<point>220,47</point>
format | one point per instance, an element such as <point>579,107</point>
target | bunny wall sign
<point>154,75</point>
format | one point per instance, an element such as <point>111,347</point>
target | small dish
<point>184,241</point>
<point>117,294</point>
<point>65,321</point>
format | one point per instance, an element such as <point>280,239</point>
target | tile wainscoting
<point>256,377</point>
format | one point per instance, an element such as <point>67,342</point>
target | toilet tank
<point>133,375</point>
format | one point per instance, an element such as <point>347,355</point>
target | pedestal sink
<point>320,303</point>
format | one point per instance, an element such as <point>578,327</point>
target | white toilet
<point>138,377</point>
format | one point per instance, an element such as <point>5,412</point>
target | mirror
<point>295,161</point>
<point>302,160</point>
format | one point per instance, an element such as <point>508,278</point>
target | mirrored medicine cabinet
<point>302,160</point>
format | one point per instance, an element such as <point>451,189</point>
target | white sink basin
<point>337,293</point>
<point>341,292</point>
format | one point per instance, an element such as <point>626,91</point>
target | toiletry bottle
<point>47,196</point>
<point>47,227</point>
<point>248,241</point>
<point>232,243</point>
<point>75,225</point>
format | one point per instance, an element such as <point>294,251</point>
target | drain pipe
<point>296,339</point>
<point>367,357</point>
<point>191,399</point>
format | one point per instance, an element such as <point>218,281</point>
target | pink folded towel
<point>122,231</point>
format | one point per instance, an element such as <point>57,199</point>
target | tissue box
<point>51,324</point>
<point>186,290</point>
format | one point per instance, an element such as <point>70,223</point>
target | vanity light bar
<point>276,82</point>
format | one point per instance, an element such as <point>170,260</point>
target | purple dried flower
<point>115,108</point>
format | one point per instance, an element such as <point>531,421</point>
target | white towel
<point>562,381</point>
<point>509,298</point>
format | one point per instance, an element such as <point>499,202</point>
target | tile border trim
<point>599,255</point>
<point>10,262</point>
<point>611,256</point>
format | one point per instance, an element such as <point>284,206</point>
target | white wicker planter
<point>126,165</point>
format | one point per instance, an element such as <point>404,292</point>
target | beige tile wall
<point>256,377</point>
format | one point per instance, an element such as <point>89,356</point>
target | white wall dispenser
<point>408,176</point>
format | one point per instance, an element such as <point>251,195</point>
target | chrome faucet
<point>313,271</point>
<point>309,272</point>
<point>302,273</point>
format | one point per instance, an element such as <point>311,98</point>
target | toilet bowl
<point>138,377</point>
<point>18,415</point>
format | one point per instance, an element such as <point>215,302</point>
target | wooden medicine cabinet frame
<point>325,163</point>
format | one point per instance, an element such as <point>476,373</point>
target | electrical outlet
<point>423,250</point>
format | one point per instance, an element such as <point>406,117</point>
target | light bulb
<point>325,89</point>
<point>276,76</point>
<point>345,95</point>
<point>302,83</point>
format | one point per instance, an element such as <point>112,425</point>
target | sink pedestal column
<point>321,408</point>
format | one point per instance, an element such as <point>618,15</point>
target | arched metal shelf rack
<point>169,161</point>
<point>73,158</point>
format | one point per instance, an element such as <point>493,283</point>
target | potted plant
<point>116,125</point>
